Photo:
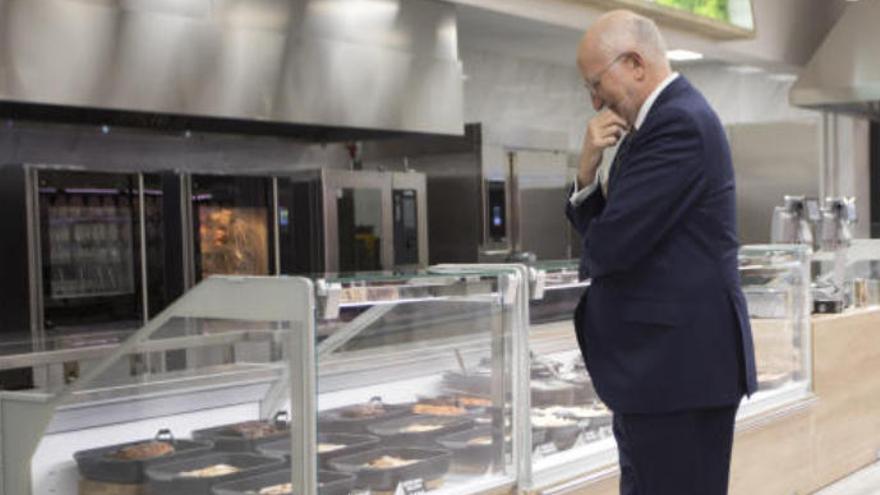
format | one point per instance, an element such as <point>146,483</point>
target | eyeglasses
<point>592,85</point>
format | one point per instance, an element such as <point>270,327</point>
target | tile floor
<point>864,482</point>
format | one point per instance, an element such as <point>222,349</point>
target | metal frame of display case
<point>439,283</point>
<point>25,416</point>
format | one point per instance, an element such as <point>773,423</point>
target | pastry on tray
<point>141,451</point>
<point>211,471</point>
<point>388,462</point>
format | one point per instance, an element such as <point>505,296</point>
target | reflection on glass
<point>90,243</point>
<point>359,215</point>
<point>233,241</point>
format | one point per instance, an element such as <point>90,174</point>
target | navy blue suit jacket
<point>664,326</point>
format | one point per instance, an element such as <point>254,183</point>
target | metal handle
<point>281,418</point>
<point>165,435</point>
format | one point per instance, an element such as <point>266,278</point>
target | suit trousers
<point>681,453</point>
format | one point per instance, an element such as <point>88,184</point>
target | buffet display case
<point>417,379</point>
<point>462,379</point>
<point>189,404</point>
<point>776,283</point>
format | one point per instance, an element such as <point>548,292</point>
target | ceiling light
<point>745,69</point>
<point>783,77</point>
<point>683,55</point>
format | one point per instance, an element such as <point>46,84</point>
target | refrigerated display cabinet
<point>425,365</point>
<point>184,405</point>
<point>775,281</point>
<point>415,375</point>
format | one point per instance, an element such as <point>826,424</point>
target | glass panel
<point>569,422</point>
<point>419,381</point>
<point>90,251</point>
<point>359,216</point>
<point>775,281</point>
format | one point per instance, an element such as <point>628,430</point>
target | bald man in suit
<point>663,327</point>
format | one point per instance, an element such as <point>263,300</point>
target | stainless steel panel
<point>538,199</point>
<point>334,180</point>
<point>843,74</point>
<point>290,61</point>
<point>416,181</point>
<point>771,160</point>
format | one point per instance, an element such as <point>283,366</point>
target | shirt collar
<point>649,101</point>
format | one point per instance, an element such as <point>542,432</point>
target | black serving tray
<point>561,394</point>
<point>432,465</point>
<point>165,478</point>
<point>468,457</point>
<point>337,421</point>
<point>563,437</point>
<point>353,444</point>
<point>225,439</point>
<point>391,435</point>
<point>98,465</point>
<point>329,483</point>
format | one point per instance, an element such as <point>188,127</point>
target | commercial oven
<point>487,201</point>
<point>351,221</point>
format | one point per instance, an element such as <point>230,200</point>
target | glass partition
<point>571,427</point>
<point>416,380</point>
<point>776,282</point>
<point>194,401</point>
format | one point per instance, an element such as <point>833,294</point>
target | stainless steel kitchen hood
<point>389,65</point>
<point>844,73</point>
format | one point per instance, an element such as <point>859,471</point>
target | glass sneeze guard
<point>184,405</point>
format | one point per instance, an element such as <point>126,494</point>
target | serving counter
<point>459,380</point>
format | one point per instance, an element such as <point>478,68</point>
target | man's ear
<point>638,66</point>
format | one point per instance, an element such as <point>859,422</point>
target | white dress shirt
<point>579,196</point>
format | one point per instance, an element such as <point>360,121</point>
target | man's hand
<point>603,131</point>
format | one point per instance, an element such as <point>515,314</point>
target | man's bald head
<point>621,31</point>
<point>634,44</point>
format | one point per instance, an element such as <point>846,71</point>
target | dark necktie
<point>618,159</point>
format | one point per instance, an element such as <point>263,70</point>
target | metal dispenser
<point>838,216</point>
<point>792,222</point>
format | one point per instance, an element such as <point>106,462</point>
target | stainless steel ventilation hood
<point>844,73</point>
<point>387,65</point>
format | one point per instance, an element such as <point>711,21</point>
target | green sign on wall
<point>713,9</point>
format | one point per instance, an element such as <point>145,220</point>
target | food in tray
<point>550,421</point>
<point>368,410</point>
<point>324,448</point>
<point>483,440</point>
<point>146,450</point>
<point>282,489</point>
<point>420,428</point>
<point>436,410</point>
<point>577,412</point>
<point>549,385</point>
<point>466,401</point>
<point>211,471</point>
<point>389,462</point>
<point>255,429</point>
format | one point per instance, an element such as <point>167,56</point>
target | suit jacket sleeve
<point>661,180</point>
